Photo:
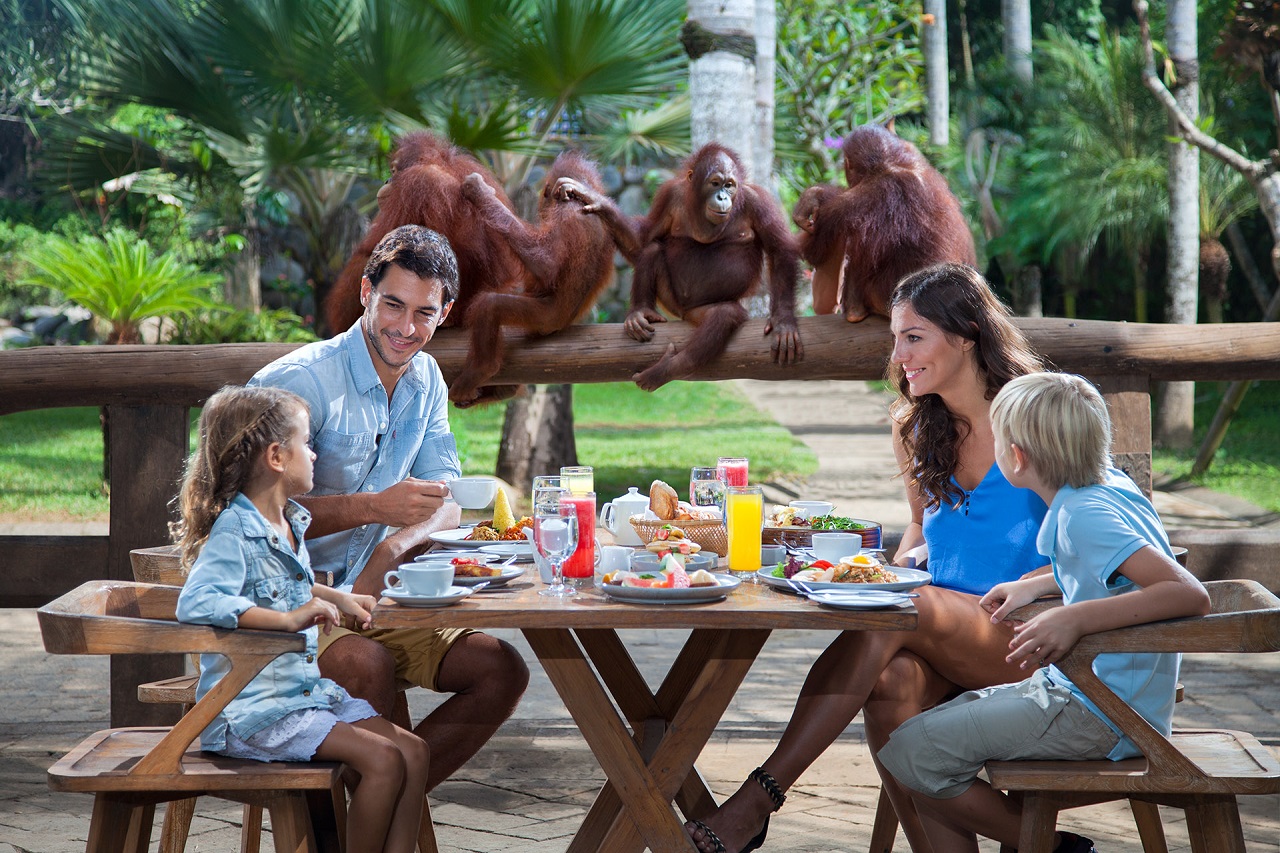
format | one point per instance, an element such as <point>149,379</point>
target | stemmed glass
<point>555,536</point>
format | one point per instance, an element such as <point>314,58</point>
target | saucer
<point>408,599</point>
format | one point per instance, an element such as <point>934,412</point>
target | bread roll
<point>663,500</point>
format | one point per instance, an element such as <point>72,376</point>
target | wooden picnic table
<point>648,750</point>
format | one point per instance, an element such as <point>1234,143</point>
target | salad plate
<point>408,599</point>
<point>851,600</point>
<point>907,579</point>
<point>725,584</point>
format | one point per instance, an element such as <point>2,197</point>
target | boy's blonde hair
<point>1060,422</point>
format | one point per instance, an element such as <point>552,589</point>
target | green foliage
<point>119,280</point>
<point>1247,464</point>
<point>225,325</point>
<point>840,65</point>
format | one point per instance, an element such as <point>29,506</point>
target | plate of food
<point>784,526</point>
<point>859,572</point>
<point>503,527</point>
<point>658,587</point>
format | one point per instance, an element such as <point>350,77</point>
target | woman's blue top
<point>987,538</point>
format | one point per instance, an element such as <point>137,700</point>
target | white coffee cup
<point>771,555</point>
<point>426,579</point>
<point>473,492</point>
<point>832,546</point>
<point>809,509</point>
<point>614,558</point>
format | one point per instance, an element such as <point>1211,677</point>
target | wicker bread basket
<point>709,533</point>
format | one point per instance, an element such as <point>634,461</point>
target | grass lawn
<point>1247,464</point>
<point>52,461</point>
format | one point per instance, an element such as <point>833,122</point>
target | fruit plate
<point>725,584</point>
<point>907,579</point>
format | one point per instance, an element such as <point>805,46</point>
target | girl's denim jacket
<point>246,563</point>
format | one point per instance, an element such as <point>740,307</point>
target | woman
<point>954,347</point>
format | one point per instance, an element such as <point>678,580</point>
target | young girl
<point>241,536</point>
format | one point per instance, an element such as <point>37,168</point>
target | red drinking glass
<point>733,470</point>
<point>582,564</point>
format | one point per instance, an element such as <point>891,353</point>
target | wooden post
<point>147,446</point>
<point>1129,402</point>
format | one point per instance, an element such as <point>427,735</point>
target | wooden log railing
<point>147,391</point>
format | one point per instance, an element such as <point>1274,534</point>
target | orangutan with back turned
<point>897,216</point>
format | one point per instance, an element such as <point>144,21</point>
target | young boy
<point>1112,562</point>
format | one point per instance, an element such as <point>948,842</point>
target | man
<point>380,430</point>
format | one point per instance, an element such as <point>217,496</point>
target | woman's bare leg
<point>953,635</point>
<point>907,686</point>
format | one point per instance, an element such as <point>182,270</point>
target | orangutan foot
<point>855,312</point>
<point>739,825</point>
<point>659,373</point>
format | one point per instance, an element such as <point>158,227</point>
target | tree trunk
<point>1016,15</point>
<point>719,37</point>
<point>537,435</point>
<point>766,50</point>
<point>937,74</point>
<point>1174,413</point>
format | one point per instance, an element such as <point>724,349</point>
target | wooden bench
<point>130,770</point>
<point>1200,771</point>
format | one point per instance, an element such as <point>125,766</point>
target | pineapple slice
<point>502,515</point>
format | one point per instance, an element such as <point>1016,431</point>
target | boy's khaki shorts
<point>940,751</point>
<point>418,652</point>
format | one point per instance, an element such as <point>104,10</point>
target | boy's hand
<point>1004,598</point>
<point>1046,638</point>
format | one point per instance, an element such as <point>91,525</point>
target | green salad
<point>835,522</point>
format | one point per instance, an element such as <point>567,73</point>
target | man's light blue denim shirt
<point>247,563</point>
<point>363,442</point>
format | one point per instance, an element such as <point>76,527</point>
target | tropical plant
<point>119,280</point>
<point>1095,162</point>
<point>226,325</point>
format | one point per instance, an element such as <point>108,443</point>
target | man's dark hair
<point>419,250</point>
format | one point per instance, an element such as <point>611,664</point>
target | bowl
<point>808,509</point>
<point>473,492</point>
<point>832,545</point>
<point>647,561</point>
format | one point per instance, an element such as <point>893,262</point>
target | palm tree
<point>1096,163</point>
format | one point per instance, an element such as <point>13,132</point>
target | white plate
<point>869,600</point>
<point>509,573</point>
<point>453,596</point>
<point>687,595</point>
<point>908,579</point>
<point>447,556</point>
<point>457,538</point>
<point>522,551</point>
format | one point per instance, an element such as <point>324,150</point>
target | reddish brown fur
<point>426,189</point>
<point>897,216</point>
<point>700,269</point>
<point>567,258</point>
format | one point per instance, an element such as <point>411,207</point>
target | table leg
<point>671,727</point>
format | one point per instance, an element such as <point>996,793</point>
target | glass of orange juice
<point>744,515</point>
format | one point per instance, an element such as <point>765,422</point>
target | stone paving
<point>530,787</point>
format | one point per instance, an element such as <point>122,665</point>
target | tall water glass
<point>733,470</point>
<point>580,568</point>
<point>579,479</point>
<point>545,481</point>
<point>555,535</point>
<point>706,489</point>
<point>744,515</point>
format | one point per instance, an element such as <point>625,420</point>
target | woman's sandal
<point>774,790</point>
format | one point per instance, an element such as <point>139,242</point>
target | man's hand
<point>410,501</point>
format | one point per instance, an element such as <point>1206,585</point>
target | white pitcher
<point>615,516</point>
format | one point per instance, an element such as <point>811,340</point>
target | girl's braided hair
<point>238,423</point>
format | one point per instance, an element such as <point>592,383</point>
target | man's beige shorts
<point>418,652</point>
